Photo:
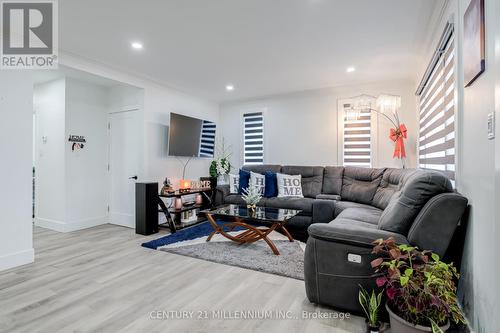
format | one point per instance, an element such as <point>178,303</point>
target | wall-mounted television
<point>191,137</point>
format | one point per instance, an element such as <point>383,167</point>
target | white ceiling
<point>262,47</point>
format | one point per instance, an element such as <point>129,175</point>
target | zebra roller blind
<point>437,113</point>
<point>357,138</point>
<point>207,139</point>
<point>253,138</point>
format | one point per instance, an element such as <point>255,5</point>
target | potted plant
<point>370,305</point>
<point>220,166</point>
<point>251,196</point>
<point>420,287</point>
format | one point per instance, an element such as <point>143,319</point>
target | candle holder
<point>178,203</point>
<point>185,186</point>
<point>199,199</point>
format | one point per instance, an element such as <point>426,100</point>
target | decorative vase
<point>399,325</point>
<point>252,207</point>
<point>213,182</point>
<point>178,203</point>
<point>372,329</point>
<point>223,179</point>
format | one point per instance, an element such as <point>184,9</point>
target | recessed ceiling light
<point>350,69</point>
<point>229,87</point>
<point>137,45</point>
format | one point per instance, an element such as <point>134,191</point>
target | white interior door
<point>124,165</point>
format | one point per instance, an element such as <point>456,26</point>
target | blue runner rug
<point>196,231</point>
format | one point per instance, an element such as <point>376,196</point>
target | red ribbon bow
<point>398,135</point>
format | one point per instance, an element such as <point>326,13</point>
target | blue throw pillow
<point>244,180</point>
<point>271,189</point>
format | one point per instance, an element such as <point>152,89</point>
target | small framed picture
<point>474,51</point>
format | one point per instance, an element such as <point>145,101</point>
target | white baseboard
<point>15,259</point>
<point>62,226</point>
<point>50,224</point>
<point>124,220</point>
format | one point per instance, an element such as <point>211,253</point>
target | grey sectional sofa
<point>345,208</point>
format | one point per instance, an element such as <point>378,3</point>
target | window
<point>437,110</point>
<point>253,138</point>
<point>356,132</point>
<point>207,139</point>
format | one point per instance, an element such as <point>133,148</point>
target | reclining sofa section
<point>345,208</point>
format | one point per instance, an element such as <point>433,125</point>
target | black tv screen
<point>191,137</point>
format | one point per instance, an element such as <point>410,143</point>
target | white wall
<point>479,289</point>
<point>71,186</point>
<point>87,183</point>
<point>496,259</point>
<point>301,128</point>
<point>16,110</point>
<point>50,194</point>
<point>158,101</point>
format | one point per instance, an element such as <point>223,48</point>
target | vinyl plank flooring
<point>101,280</point>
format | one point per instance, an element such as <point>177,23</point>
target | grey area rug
<point>256,256</point>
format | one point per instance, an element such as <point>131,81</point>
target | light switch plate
<point>491,126</point>
<point>355,258</point>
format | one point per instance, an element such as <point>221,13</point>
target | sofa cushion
<point>332,180</point>
<point>312,178</point>
<point>262,168</point>
<point>335,197</point>
<point>362,214</point>
<point>304,204</point>
<point>258,181</point>
<point>353,223</point>
<point>323,211</point>
<point>289,185</point>
<point>236,199</point>
<point>243,180</point>
<point>234,183</point>
<point>299,222</point>
<point>342,205</point>
<point>360,184</point>
<point>417,188</point>
<point>271,184</point>
<point>389,185</point>
<point>351,232</point>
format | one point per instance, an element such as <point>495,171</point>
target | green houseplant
<point>370,304</point>
<point>221,165</point>
<point>420,287</point>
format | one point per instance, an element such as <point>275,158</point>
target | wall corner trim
<point>16,259</point>
<point>61,226</point>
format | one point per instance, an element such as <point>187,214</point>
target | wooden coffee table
<point>257,224</point>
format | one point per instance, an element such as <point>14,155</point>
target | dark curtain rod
<point>441,47</point>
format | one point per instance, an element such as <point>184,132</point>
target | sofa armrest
<point>337,261</point>
<point>351,234</point>
<point>323,211</point>
<point>221,192</point>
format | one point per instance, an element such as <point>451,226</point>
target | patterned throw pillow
<point>258,181</point>
<point>234,184</point>
<point>289,186</point>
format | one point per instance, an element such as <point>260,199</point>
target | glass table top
<point>267,214</point>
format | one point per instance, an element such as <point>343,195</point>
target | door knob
<point>133,177</point>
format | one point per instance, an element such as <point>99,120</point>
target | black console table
<point>175,223</point>
<point>148,200</point>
